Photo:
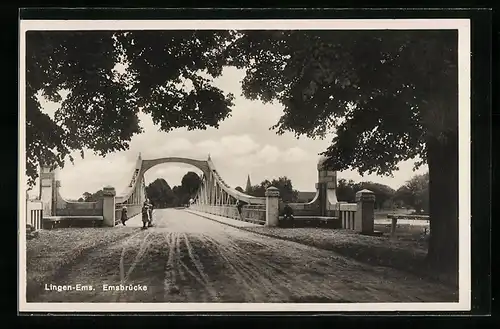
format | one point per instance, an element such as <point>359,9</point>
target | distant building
<point>249,185</point>
<point>305,196</point>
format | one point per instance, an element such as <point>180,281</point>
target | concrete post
<point>326,187</point>
<point>272,206</point>
<point>108,206</point>
<point>394,225</point>
<point>47,190</point>
<point>364,217</point>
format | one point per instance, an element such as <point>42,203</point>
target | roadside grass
<point>54,251</point>
<point>405,252</point>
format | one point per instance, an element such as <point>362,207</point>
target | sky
<point>260,152</point>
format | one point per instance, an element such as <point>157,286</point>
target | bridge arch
<point>200,164</point>
<point>213,186</point>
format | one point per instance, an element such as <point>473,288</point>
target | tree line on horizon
<point>413,194</point>
<point>159,192</point>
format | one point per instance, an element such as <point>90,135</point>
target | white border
<point>462,25</point>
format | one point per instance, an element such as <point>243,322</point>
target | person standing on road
<point>288,215</point>
<point>239,207</point>
<point>124,215</point>
<point>150,212</point>
<point>145,215</point>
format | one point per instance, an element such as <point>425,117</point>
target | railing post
<point>272,206</point>
<point>394,225</point>
<point>364,217</point>
<point>108,206</point>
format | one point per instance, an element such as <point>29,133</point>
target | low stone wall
<point>79,209</point>
<point>311,221</point>
<point>251,213</point>
<point>303,209</point>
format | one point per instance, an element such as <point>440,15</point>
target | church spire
<point>249,184</point>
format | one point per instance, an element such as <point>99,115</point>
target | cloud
<point>269,154</point>
<point>239,145</point>
<point>227,147</point>
<point>93,173</point>
<point>295,154</point>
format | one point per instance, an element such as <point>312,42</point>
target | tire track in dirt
<point>317,281</point>
<point>122,257</point>
<point>176,283</point>
<point>175,273</point>
<point>142,250</point>
<point>269,278</point>
<point>169,284</point>
<point>203,277</point>
<point>263,277</point>
<point>140,253</point>
<point>242,278</point>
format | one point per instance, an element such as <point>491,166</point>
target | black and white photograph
<point>244,165</point>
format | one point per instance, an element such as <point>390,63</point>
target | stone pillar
<point>108,206</point>
<point>327,188</point>
<point>364,218</point>
<point>272,206</point>
<point>47,190</point>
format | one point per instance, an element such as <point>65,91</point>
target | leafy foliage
<point>388,96</point>
<point>383,92</point>
<point>91,197</point>
<point>346,191</point>
<point>190,183</point>
<point>100,111</point>
<point>415,193</point>
<point>283,184</point>
<point>160,194</point>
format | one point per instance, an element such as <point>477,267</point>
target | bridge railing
<point>132,210</point>
<point>34,213</point>
<point>249,213</point>
<point>346,212</point>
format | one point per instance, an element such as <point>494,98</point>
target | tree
<point>92,197</point>
<point>87,196</point>
<point>346,190</point>
<point>388,95</point>
<point>283,184</point>
<point>239,189</point>
<point>415,193</point>
<point>160,193</point>
<point>191,183</point>
<point>168,75</point>
<point>383,193</point>
<point>182,196</point>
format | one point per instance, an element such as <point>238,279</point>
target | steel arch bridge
<point>214,196</point>
<point>213,190</point>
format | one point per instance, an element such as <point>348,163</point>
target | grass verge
<point>54,251</point>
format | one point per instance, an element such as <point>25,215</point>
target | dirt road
<point>187,258</point>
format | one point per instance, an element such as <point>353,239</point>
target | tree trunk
<point>442,159</point>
